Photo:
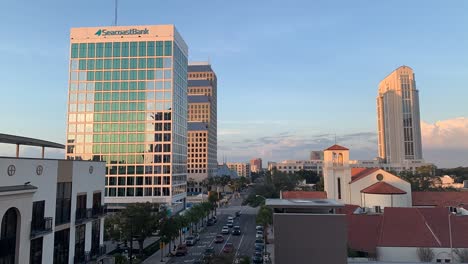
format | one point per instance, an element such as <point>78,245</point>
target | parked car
<point>259,241</point>
<point>257,236</point>
<point>225,230</point>
<point>236,231</point>
<point>219,239</point>
<point>182,250</point>
<point>196,236</point>
<point>259,228</point>
<point>259,247</point>
<point>260,233</point>
<point>215,219</point>
<point>257,258</point>
<point>210,222</point>
<point>228,248</point>
<point>190,241</point>
<point>230,224</point>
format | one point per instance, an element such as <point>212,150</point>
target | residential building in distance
<point>242,169</point>
<point>51,210</point>
<point>316,155</point>
<point>256,165</point>
<point>127,107</point>
<point>308,230</point>
<point>291,166</point>
<point>202,121</point>
<point>399,125</point>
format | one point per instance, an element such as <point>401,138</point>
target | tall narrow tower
<point>337,173</point>
<point>398,117</point>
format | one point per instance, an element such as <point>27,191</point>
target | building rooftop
<point>303,203</point>
<point>304,195</point>
<point>439,198</point>
<point>359,173</point>
<point>337,147</point>
<point>18,140</point>
<point>14,188</point>
<point>199,67</point>
<point>382,188</point>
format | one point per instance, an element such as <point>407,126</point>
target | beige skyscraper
<point>398,117</point>
<point>202,122</point>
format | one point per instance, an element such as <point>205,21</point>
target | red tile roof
<point>336,147</point>
<point>439,198</point>
<point>407,227</point>
<point>382,188</point>
<point>359,173</point>
<point>304,195</point>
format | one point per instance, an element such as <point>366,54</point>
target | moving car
<point>230,224</point>
<point>228,248</point>
<point>225,230</point>
<point>236,231</point>
<point>210,222</point>
<point>190,241</point>
<point>215,219</point>
<point>219,239</point>
<point>257,258</point>
<point>238,213</point>
<point>181,250</point>
<point>230,218</point>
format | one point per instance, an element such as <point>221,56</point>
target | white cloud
<point>445,134</point>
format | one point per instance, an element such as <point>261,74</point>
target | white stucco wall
<point>409,254</point>
<point>401,201</point>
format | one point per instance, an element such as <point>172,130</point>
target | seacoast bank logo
<point>133,31</point>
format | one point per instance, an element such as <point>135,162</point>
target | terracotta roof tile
<point>439,198</point>
<point>359,173</point>
<point>337,147</point>
<point>382,188</point>
<point>304,195</point>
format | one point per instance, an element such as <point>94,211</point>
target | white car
<point>258,236</point>
<point>260,233</point>
<point>225,230</point>
<point>230,218</point>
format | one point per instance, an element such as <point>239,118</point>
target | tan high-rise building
<point>398,117</point>
<point>202,122</point>
<point>256,165</point>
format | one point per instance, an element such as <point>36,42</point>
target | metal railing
<point>41,226</point>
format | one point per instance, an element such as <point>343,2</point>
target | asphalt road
<point>243,244</point>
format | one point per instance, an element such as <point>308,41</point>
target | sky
<point>292,75</point>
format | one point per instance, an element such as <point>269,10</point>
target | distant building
<point>202,121</point>
<point>256,165</point>
<point>50,210</point>
<point>291,166</point>
<point>399,125</point>
<point>308,231</point>
<point>316,155</point>
<point>223,170</point>
<point>242,169</point>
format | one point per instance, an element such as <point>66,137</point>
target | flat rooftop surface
<point>302,203</point>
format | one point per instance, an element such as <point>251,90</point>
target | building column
<point>42,152</point>
<point>17,150</point>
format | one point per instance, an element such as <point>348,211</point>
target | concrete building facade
<point>51,210</point>
<point>127,106</point>
<point>202,122</point>
<point>399,125</point>
<point>242,169</point>
<point>256,165</point>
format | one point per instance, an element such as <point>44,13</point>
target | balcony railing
<point>98,211</point>
<point>41,226</point>
<point>82,215</point>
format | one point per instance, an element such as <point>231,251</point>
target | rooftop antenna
<point>115,12</point>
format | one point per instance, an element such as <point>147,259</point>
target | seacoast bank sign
<point>133,31</point>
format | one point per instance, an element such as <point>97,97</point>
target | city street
<point>243,244</point>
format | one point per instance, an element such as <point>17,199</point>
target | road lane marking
<point>237,251</point>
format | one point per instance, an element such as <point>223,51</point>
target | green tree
<point>309,176</point>
<point>264,218</point>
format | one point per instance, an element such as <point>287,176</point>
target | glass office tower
<point>127,106</point>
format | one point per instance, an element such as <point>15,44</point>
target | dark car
<point>236,231</point>
<point>259,248</point>
<point>210,222</point>
<point>208,253</point>
<point>228,248</point>
<point>257,258</point>
<point>215,219</point>
<point>181,250</point>
<point>219,239</point>
<point>238,213</point>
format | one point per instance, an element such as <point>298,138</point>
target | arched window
<point>339,188</point>
<point>8,236</point>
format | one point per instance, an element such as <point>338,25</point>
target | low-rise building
<point>51,210</point>
<point>292,166</point>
